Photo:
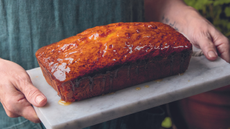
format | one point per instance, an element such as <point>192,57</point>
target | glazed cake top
<point>104,47</point>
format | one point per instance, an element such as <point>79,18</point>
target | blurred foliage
<point>167,123</point>
<point>216,11</point>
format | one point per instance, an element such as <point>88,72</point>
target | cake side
<point>125,76</point>
<point>102,48</point>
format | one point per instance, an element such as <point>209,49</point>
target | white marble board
<point>202,75</point>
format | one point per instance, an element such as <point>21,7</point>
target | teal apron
<point>27,25</point>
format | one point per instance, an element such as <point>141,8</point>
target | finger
<point>208,47</point>
<point>22,109</point>
<point>32,94</point>
<point>220,42</point>
<point>223,51</point>
<point>9,113</point>
<point>222,45</point>
<point>29,113</point>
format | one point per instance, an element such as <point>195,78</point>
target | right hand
<point>17,93</point>
<point>200,32</point>
<point>205,36</point>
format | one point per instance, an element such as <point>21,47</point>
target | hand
<point>17,92</point>
<point>205,36</point>
<point>188,21</point>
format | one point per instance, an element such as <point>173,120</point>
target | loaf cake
<point>108,58</point>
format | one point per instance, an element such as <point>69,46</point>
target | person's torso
<point>27,25</point>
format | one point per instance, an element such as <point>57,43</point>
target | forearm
<point>171,12</point>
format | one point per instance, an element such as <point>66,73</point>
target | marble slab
<point>202,75</point>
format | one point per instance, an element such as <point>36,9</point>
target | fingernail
<point>212,54</point>
<point>39,99</point>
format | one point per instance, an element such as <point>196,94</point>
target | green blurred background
<point>216,11</point>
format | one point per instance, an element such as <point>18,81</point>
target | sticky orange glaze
<point>64,103</point>
<point>146,86</point>
<point>103,47</point>
<point>138,88</point>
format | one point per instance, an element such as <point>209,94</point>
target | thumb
<point>34,96</point>
<point>208,48</point>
